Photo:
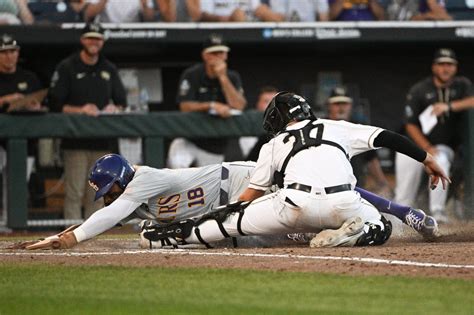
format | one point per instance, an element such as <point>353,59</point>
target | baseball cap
<point>7,42</point>
<point>93,30</point>
<point>215,43</point>
<point>339,95</point>
<point>445,55</point>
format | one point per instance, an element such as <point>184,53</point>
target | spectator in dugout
<point>446,96</point>
<point>236,11</point>
<point>339,106</point>
<point>356,10</point>
<point>85,83</point>
<point>300,11</point>
<point>19,90</point>
<point>208,87</point>
<point>15,82</point>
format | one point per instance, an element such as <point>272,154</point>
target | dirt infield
<point>451,256</point>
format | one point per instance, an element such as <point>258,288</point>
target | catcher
<point>168,196</point>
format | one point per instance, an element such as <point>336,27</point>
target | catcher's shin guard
<point>219,215</point>
<point>374,234</point>
<point>172,234</point>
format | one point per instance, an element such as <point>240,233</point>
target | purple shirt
<point>355,10</point>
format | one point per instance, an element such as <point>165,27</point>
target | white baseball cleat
<point>346,235</point>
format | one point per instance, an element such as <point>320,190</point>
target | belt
<point>328,190</point>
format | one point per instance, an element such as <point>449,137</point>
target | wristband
<point>450,106</point>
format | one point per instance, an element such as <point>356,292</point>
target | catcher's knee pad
<point>374,234</point>
<point>177,231</point>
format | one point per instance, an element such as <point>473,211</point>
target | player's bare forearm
<point>192,106</point>
<point>463,104</point>
<point>234,98</point>
<point>251,194</point>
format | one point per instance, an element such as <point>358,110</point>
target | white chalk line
<point>233,254</point>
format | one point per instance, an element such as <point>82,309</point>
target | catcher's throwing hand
<point>436,172</point>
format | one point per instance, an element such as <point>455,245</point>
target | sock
<point>384,205</point>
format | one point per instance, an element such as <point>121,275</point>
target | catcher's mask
<point>108,170</point>
<point>283,108</point>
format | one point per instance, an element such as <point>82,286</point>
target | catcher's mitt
<point>62,240</point>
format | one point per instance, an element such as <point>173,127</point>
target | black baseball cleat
<point>424,224</point>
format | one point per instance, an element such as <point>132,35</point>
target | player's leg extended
<point>415,218</point>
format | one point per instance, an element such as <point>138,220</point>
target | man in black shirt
<point>15,82</point>
<point>444,96</point>
<point>211,88</point>
<point>85,83</point>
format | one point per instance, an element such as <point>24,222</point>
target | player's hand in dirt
<point>62,240</point>
<point>436,172</point>
<point>66,240</point>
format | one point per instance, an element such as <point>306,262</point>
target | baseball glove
<point>62,240</point>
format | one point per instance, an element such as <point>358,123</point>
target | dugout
<point>379,60</point>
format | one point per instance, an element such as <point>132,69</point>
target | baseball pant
<point>408,173</point>
<point>77,164</point>
<point>310,212</point>
<point>183,153</point>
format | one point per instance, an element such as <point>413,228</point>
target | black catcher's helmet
<point>283,108</point>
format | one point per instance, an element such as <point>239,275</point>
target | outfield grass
<point>38,289</point>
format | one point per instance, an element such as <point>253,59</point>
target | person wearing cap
<point>212,88</point>
<point>15,82</point>
<point>446,96</point>
<point>340,108</point>
<point>85,83</point>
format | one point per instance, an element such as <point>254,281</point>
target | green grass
<point>39,289</point>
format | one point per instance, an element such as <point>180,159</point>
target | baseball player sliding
<point>310,200</point>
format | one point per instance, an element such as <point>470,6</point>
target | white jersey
<point>319,166</point>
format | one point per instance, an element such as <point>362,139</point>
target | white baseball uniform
<point>321,168</point>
